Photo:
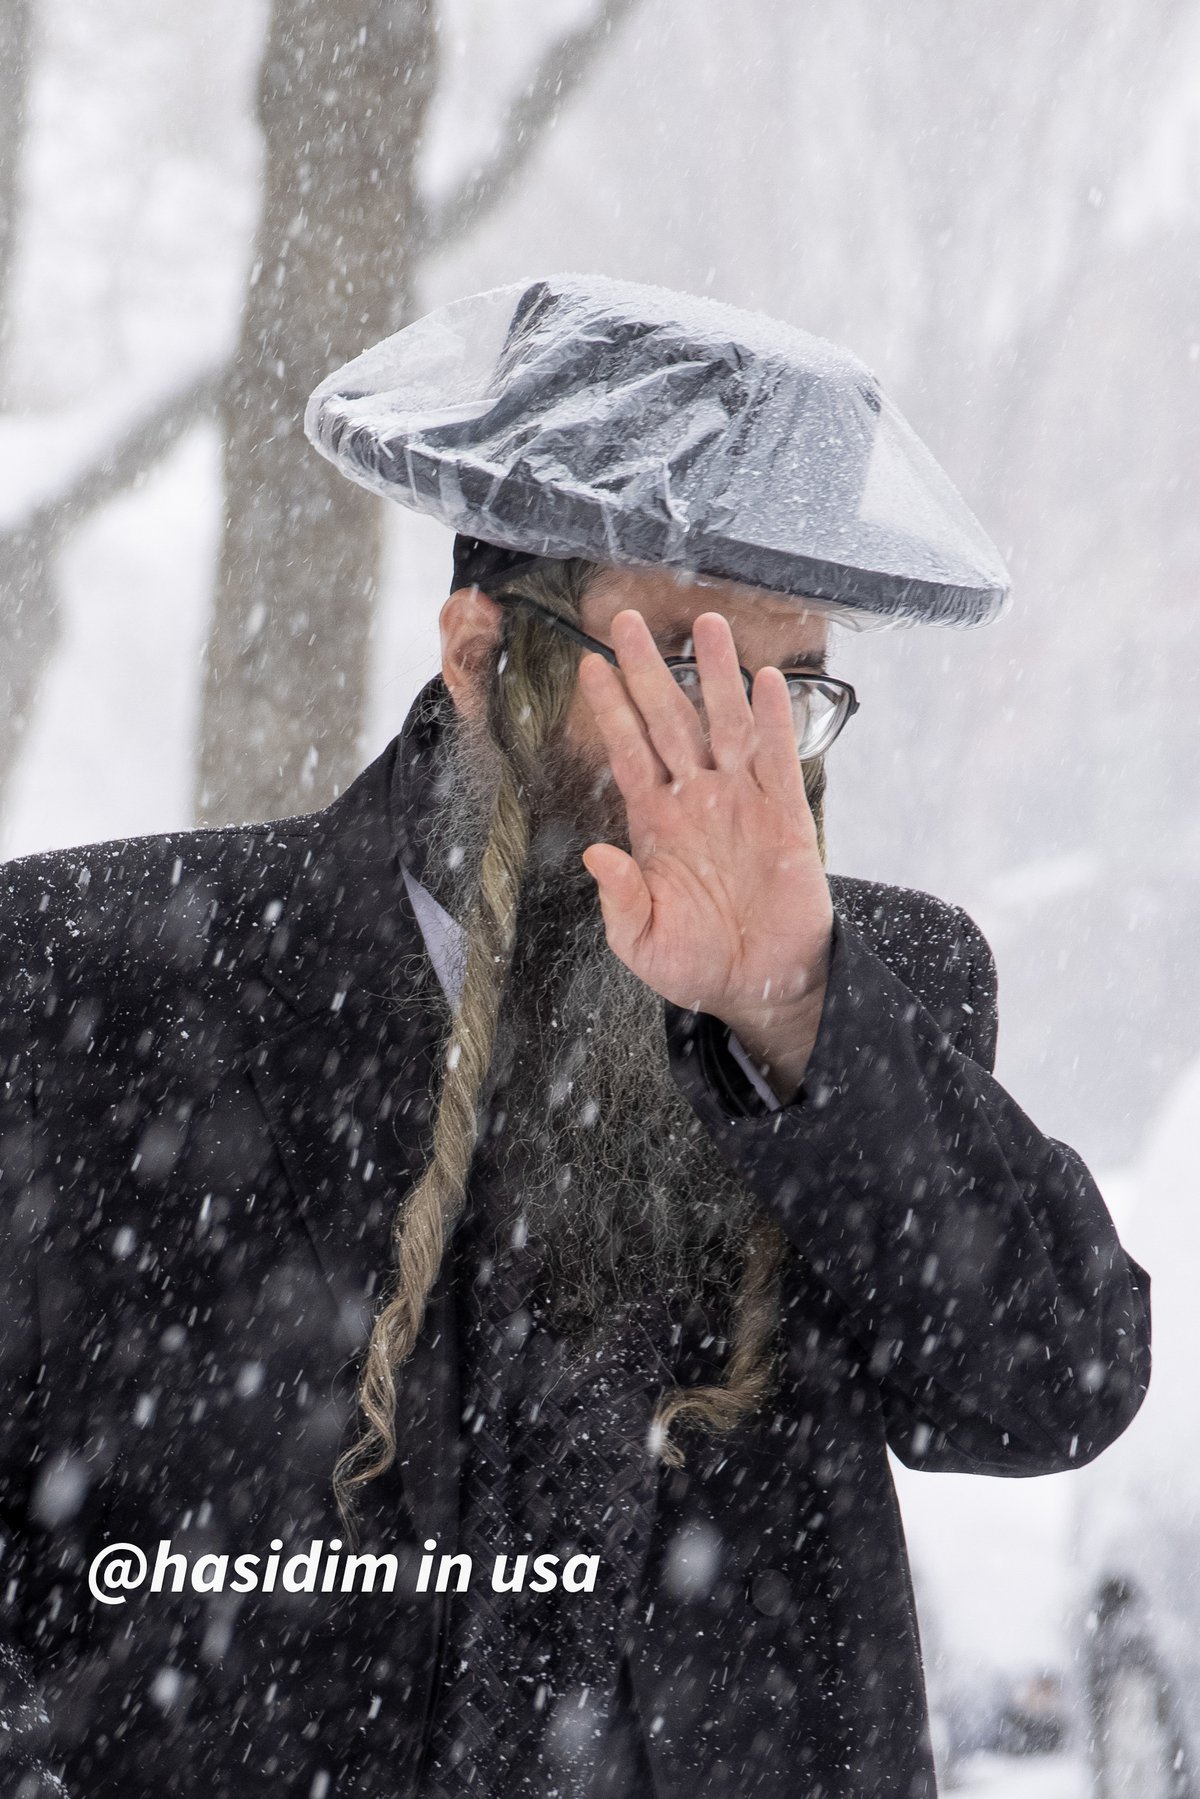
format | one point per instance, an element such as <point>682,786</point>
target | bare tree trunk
<point>344,90</point>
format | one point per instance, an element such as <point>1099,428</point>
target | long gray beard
<point>611,1174</point>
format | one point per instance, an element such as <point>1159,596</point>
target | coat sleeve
<point>971,1256</point>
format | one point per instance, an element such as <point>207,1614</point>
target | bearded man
<point>642,1181</point>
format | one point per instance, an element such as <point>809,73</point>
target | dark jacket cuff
<point>710,1076</point>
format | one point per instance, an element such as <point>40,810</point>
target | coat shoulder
<point>104,909</point>
<point>936,949</point>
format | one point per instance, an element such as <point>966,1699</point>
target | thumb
<point>624,896</point>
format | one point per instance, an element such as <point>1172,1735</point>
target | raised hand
<point>722,906</point>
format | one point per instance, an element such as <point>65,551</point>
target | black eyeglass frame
<point>847,698</point>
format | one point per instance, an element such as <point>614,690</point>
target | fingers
<point>757,731</point>
<point>731,727</point>
<point>776,761</point>
<point>654,734</point>
<point>669,716</point>
<point>625,902</point>
<point>635,763</point>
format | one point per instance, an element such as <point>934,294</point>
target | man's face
<point>768,630</point>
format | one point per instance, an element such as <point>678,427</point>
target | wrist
<point>780,1040</point>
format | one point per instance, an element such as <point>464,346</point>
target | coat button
<point>771,1593</point>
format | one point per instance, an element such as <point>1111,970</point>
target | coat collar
<point>347,917</point>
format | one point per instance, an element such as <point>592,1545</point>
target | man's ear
<point>470,625</point>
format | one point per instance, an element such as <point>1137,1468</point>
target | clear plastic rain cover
<point>579,416</point>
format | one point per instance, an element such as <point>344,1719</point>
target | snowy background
<point>996,207</point>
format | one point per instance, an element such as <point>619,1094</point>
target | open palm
<point>722,906</point>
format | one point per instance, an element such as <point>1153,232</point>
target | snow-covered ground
<point>1023,1777</point>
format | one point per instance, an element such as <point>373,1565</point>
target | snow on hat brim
<point>577,416</point>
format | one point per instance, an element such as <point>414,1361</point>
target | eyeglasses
<point>821,705</point>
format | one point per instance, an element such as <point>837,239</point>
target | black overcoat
<point>215,1091</point>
